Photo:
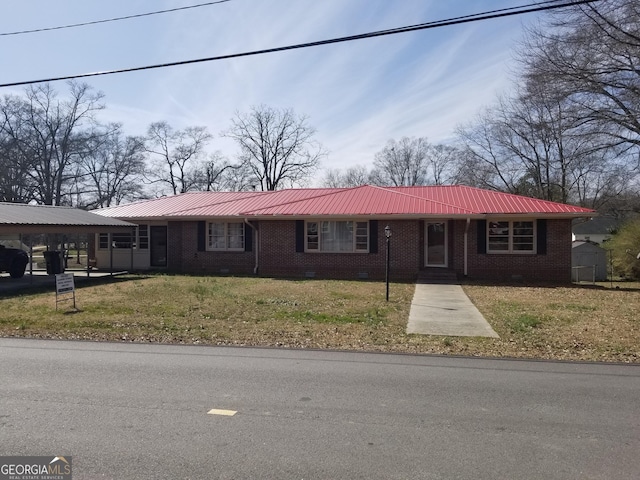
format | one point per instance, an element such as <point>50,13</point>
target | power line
<point>536,7</point>
<point>95,22</point>
<point>485,15</point>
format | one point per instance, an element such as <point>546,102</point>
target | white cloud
<point>357,94</point>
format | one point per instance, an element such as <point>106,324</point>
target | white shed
<point>588,262</point>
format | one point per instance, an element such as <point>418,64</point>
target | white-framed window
<point>511,236</point>
<point>225,236</point>
<point>103,241</point>
<point>124,240</point>
<point>337,236</point>
<point>143,237</point>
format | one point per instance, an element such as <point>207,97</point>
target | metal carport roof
<point>24,218</point>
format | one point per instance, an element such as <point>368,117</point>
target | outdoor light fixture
<point>387,233</point>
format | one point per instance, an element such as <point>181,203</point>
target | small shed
<point>595,230</point>
<point>588,262</point>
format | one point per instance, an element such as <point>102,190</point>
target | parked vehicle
<point>14,261</point>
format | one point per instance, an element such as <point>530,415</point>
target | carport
<point>22,219</point>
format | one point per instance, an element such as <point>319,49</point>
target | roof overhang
<point>382,216</point>
<point>66,229</point>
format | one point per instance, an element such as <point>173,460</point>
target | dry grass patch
<point>218,310</point>
<point>533,322</point>
<point>573,322</point>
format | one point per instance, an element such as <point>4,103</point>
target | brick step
<point>437,275</point>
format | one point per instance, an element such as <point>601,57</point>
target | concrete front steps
<point>438,276</point>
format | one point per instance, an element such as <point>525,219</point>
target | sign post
<point>65,286</point>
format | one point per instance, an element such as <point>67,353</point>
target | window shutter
<point>248,238</point>
<point>482,236</point>
<point>202,236</point>
<point>373,236</point>
<point>541,231</point>
<point>300,236</point>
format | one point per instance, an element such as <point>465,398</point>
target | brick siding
<point>278,256</point>
<point>553,266</point>
<point>183,237</point>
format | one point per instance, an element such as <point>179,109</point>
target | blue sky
<point>357,95</point>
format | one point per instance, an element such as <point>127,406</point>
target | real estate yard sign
<point>64,288</point>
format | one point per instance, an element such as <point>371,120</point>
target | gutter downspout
<point>256,244</point>
<point>466,246</point>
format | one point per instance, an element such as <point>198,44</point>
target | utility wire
<point>539,7</point>
<point>95,22</point>
<point>483,16</point>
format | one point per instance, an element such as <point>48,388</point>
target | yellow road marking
<point>227,413</point>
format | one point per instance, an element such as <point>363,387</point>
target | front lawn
<point>577,323</point>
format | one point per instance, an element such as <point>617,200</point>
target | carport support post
<point>387,234</point>
<point>90,237</point>
<point>110,236</point>
<point>133,239</point>
<point>30,257</point>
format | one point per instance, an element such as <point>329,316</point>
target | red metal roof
<point>489,202</point>
<point>164,206</point>
<point>366,200</point>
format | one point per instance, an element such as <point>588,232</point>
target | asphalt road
<point>127,411</point>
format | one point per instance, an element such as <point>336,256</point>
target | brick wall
<point>175,252</point>
<point>278,257</point>
<point>185,257</point>
<point>553,266</point>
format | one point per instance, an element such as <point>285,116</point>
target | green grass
<point>524,323</point>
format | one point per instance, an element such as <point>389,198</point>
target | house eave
<point>381,216</point>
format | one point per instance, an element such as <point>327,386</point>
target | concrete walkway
<point>439,309</point>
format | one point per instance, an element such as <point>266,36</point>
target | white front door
<point>435,244</point>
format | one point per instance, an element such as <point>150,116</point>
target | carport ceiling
<point>35,219</point>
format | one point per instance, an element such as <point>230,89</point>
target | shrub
<point>625,246</point>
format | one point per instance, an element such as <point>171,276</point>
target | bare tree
<point>351,177</point>
<point>625,205</point>
<point>240,178</point>
<point>534,143</point>
<point>276,145</point>
<point>46,133</point>
<point>591,52</point>
<point>484,163</point>
<point>112,167</point>
<point>442,163</point>
<point>176,156</point>
<point>15,184</point>
<point>571,130</point>
<point>218,174</point>
<point>401,163</point>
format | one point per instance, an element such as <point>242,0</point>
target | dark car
<point>14,261</point>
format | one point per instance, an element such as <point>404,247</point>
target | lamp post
<point>387,234</point>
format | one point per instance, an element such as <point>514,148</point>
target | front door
<point>158,243</point>
<point>435,244</point>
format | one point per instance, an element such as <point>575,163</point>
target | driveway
<point>40,279</point>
